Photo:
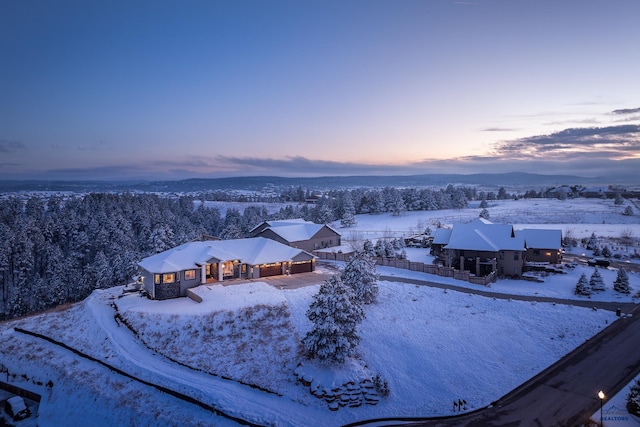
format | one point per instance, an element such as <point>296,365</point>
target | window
<point>156,279</point>
<point>501,255</point>
<point>168,278</point>
<point>189,275</point>
<point>516,256</point>
<point>536,252</point>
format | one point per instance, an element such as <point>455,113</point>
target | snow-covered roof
<point>482,235</point>
<point>257,250</point>
<point>441,236</point>
<point>541,238</point>
<point>295,230</point>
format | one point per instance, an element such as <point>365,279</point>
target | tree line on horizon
<point>57,250</point>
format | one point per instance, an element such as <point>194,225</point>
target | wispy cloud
<point>614,142</point>
<point>498,129</point>
<point>626,111</point>
<point>8,146</point>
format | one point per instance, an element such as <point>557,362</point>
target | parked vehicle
<point>16,408</point>
<point>600,262</point>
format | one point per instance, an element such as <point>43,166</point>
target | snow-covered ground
<point>432,346</point>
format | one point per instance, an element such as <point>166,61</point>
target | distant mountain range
<point>262,183</point>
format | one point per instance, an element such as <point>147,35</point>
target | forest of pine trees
<point>57,250</point>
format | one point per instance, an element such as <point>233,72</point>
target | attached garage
<point>302,267</point>
<point>267,270</point>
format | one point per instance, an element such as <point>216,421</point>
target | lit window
<point>168,278</point>
<point>156,279</point>
<point>189,275</point>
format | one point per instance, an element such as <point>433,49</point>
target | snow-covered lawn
<point>243,341</point>
<point>431,346</point>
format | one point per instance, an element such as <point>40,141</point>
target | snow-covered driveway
<point>230,397</point>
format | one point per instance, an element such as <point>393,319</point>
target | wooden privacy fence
<point>417,266</point>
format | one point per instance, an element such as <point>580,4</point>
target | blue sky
<point>169,89</point>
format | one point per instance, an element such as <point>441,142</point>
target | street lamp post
<point>601,396</point>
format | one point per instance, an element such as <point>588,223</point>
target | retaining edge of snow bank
<point>163,389</point>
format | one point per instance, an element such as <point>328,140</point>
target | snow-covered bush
<point>582,287</point>
<point>596,282</point>
<point>633,399</point>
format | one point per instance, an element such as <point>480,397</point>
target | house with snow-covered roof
<point>298,233</point>
<point>483,247</point>
<point>170,273</point>
<point>543,245</point>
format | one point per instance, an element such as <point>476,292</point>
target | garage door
<point>270,270</point>
<point>302,267</point>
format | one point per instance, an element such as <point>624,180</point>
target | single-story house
<point>483,247</point>
<point>298,233</point>
<point>170,273</point>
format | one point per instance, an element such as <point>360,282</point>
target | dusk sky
<point>178,89</point>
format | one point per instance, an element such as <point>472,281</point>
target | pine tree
<point>484,213</point>
<point>606,252</point>
<point>335,315</point>
<point>596,283</point>
<point>349,216</point>
<point>360,275</point>
<point>633,399</point>
<point>628,211</point>
<point>582,287</point>
<point>368,247</point>
<point>621,284</point>
<point>592,243</point>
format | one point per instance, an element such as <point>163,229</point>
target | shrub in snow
<point>633,399</point>
<point>606,252</point>
<point>621,284</point>
<point>335,315</point>
<point>596,251</point>
<point>484,213</point>
<point>381,385</point>
<point>582,287</point>
<point>596,283</point>
<point>628,211</point>
<point>360,275</point>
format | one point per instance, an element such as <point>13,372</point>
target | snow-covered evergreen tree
<point>592,243</point>
<point>633,399</point>
<point>368,247</point>
<point>596,283</point>
<point>349,215</point>
<point>335,316</point>
<point>582,287</point>
<point>484,213</point>
<point>360,275</point>
<point>483,203</point>
<point>606,252</point>
<point>628,211</point>
<point>380,248</point>
<point>621,284</point>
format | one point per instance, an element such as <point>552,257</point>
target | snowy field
<point>432,346</point>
